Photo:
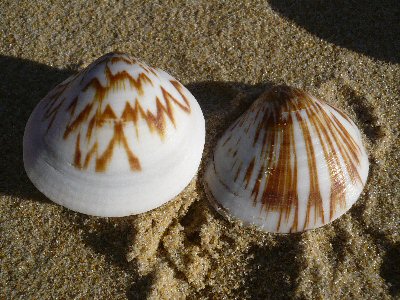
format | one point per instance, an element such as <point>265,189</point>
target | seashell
<point>290,163</point>
<point>118,138</point>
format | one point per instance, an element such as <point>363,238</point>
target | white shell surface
<point>288,164</point>
<point>116,139</point>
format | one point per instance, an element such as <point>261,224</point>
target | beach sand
<point>226,53</point>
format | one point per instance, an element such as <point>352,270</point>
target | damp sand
<point>226,54</point>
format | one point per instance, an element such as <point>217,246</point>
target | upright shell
<point>288,164</point>
<point>118,138</point>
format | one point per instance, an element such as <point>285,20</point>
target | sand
<point>226,53</point>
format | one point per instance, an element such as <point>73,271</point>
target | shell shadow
<point>214,96</point>
<point>390,269</point>
<point>110,237</point>
<point>277,266</point>
<point>23,83</point>
<point>367,27</point>
<point>365,113</point>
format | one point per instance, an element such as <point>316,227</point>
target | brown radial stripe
<point>152,70</point>
<point>246,130</point>
<point>268,198</point>
<point>256,187</point>
<point>52,106</point>
<point>234,164</point>
<point>58,90</point>
<point>256,117</point>
<point>292,193</point>
<point>71,108</point>
<point>133,159</point>
<point>90,155</point>
<point>77,156</point>
<point>249,172</point>
<point>260,126</point>
<point>265,156</point>
<point>287,186</point>
<point>340,113</point>
<point>227,140</point>
<point>219,179</point>
<point>90,128</point>
<point>83,115</point>
<point>132,115</point>
<point>242,120</point>
<point>234,125</point>
<point>238,171</point>
<point>53,114</point>
<point>266,137</point>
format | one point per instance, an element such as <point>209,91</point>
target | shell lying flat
<point>288,164</point>
<point>118,138</point>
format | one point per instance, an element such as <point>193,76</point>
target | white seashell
<point>118,138</point>
<point>288,164</point>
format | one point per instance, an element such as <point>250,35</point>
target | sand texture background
<point>226,53</point>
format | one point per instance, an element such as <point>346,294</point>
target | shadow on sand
<point>368,27</point>
<point>22,84</point>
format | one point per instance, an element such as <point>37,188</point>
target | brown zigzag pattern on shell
<point>156,122</point>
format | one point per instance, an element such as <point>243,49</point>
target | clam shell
<point>290,163</point>
<point>118,138</point>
